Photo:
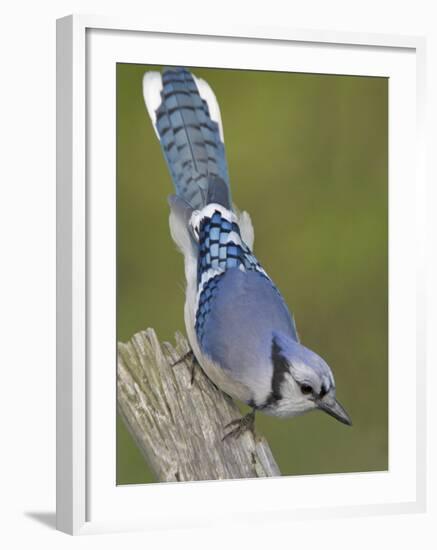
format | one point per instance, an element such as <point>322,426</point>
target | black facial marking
<point>323,392</point>
<point>280,368</point>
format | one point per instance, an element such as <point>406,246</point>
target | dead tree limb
<point>179,424</point>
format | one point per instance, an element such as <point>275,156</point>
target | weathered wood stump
<point>177,423</point>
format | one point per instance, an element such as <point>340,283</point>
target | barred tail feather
<point>186,118</point>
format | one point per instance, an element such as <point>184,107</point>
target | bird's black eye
<point>306,389</point>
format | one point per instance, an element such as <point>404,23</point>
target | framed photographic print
<point>253,346</point>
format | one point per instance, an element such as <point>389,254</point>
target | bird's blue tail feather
<point>182,108</point>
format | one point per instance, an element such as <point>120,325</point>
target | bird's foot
<point>243,424</point>
<point>189,356</point>
<point>183,358</point>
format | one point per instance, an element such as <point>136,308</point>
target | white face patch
<point>292,402</point>
<point>305,374</point>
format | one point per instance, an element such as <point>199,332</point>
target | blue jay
<point>238,324</point>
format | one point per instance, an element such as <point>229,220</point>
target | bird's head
<point>302,381</point>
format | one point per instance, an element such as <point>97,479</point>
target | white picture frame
<point>86,501</point>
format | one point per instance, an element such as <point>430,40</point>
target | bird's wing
<point>238,306</point>
<point>237,315</point>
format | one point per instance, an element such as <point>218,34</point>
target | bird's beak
<point>334,409</point>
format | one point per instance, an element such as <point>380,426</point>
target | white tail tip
<point>207,94</point>
<point>152,87</point>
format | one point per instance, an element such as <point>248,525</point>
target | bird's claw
<point>183,358</point>
<point>187,356</point>
<point>242,425</point>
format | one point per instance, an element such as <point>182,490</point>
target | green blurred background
<point>308,159</point>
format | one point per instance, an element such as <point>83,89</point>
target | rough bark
<point>179,425</point>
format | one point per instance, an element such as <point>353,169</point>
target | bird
<point>239,327</point>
